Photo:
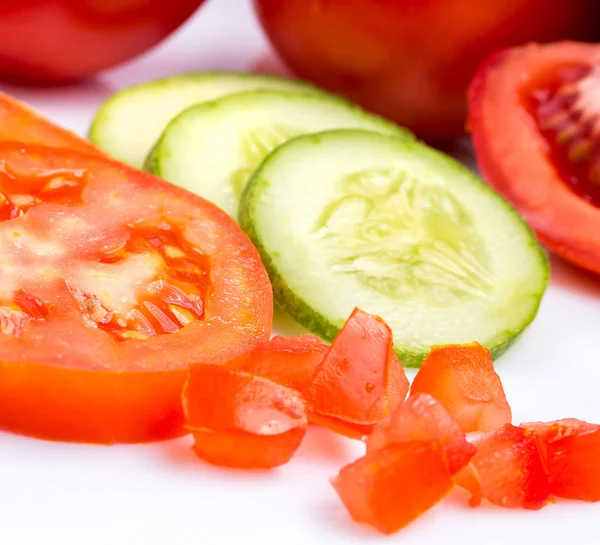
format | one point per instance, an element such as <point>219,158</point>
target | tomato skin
<point>389,488</point>
<point>412,60</point>
<point>63,380</point>
<point>360,379</point>
<point>423,418</point>
<point>512,153</point>
<point>289,361</point>
<point>572,452</point>
<point>241,420</point>
<point>508,470</point>
<point>65,40</point>
<point>463,378</point>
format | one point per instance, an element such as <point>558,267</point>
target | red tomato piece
<point>423,418</point>
<point>534,118</point>
<point>241,420</point>
<point>389,488</point>
<point>360,380</point>
<point>572,453</point>
<point>20,123</point>
<point>463,378</point>
<point>289,361</point>
<point>508,470</point>
<point>113,283</point>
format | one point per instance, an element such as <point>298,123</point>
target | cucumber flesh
<point>130,122</point>
<point>348,219</point>
<point>213,148</point>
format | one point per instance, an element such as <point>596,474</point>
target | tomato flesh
<point>423,418</point>
<point>572,453</point>
<point>289,361</point>
<point>360,379</point>
<point>107,298</point>
<point>463,378</point>
<point>241,420</point>
<point>389,488</point>
<point>508,470</point>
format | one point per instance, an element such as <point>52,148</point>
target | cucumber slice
<point>213,148</point>
<point>129,123</point>
<point>355,218</point>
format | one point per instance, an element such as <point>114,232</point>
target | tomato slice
<point>289,361</point>
<point>113,283</point>
<point>423,418</point>
<point>389,488</point>
<point>241,420</point>
<point>534,118</point>
<point>19,122</point>
<point>360,380</point>
<point>572,454</point>
<point>463,378</point>
<point>508,470</point>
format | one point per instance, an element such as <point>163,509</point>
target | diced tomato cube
<point>360,381</point>
<point>572,454</point>
<point>463,378</point>
<point>423,418</point>
<point>241,420</point>
<point>289,361</point>
<point>508,470</point>
<point>389,488</point>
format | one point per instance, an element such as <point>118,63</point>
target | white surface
<point>52,493</point>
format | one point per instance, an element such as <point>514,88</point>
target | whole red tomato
<point>411,60</point>
<point>61,40</point>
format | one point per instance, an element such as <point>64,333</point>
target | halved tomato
<point>572,452</point>
<point>113,282</point>
<point>463,378</point>
<point>20,123</point>
<point>241,420</point>
<point>360,381</point>
<point>423,418</point>
<point>535,119</point>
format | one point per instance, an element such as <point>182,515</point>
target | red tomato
<point>508,470</point>
<point>360,380</point>
<point>240,420</point>
<point>411,60</point>
<point>58,40</point>
<point>534,117</point>
<point>113,282</point>
<point>423,418</point>
<point>463,378</point>
<point>18,122</point>
<point>391,487</point>
<point>289,361</point>
<point>572,454</point>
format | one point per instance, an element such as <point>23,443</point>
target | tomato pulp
<point>113,283</point>
<point>535,122</point>
<point>412,60</point>
<point>59,40</point>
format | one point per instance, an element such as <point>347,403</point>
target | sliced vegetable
<point>534,118</point>
<point>241,420</point>
<point>423,418</point>
<point>20,123</point>
<point>572,453</point>
<point>508,470</point>
<point>130,122</point>
<point>213,148</point>
<point>348,219</point>
<point>391,487</point>
<point>289,361</point>
<point>463,378</point>
<point>360,381</point>
<point>113,282</point>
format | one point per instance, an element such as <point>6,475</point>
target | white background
<point>52,493</point>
